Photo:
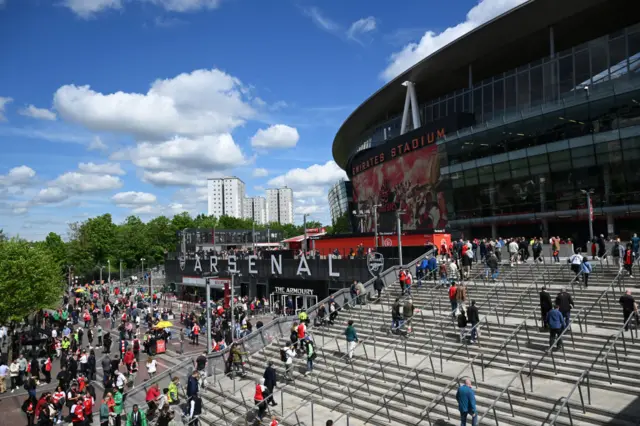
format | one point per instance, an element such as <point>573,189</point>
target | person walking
<point>565,303</point>
<point>545,306</point>
<point>629,307</point>
<point>352,339</point>
<point>136,417</point>
<point>270,381</point>
<point>586,270</point>
<point>474,318</point>
<point>462,321</point>
<point>576,263</point>
<point>452,297</point>
<point>4,373</point>
<point>628,260</point>
<point>466,398</point>
<point>311,354</point>
<point>556,321</point>
<point>407,313</point>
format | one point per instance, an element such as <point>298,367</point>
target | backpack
<point>283,355</point>
<point>615,250</point>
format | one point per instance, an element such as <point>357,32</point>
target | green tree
<point>162,237</point>
<point>3,237</point>
<point>56,247</point>
<point>132,241</point>
<point>30,279</point>
<point>342,225</point>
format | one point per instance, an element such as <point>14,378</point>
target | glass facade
<point>340,198</point>
<point>548,81</point>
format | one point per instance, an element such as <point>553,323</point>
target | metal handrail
<point>513,334</point>
<point>528,289</point>
<point>584,311</point>
<point>585,374</point>
<point>565,399</point>
<point>443,393</point>
<point>506,389</point>
<point>409,265</point>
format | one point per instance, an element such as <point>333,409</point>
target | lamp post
<point>101,268</point>
<point>375,224</point>
<point>109,274</point>
<point>399,226</point>
<point>253,236</point>
<point>120,271</point>
<point>589,210</point>
<point>69,268</point>
<point>304,224</point>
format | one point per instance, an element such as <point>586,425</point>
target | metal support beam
<point>405,114</point>
<point>415,109</point>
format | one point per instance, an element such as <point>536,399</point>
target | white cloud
<point>4,101</point>
<point>144,210</point>
<point>199,103</point>
<point>308,209</point>
<point>101,169</point>
<point>360,27</point>
<point>97,145</point>
<point>431,41</point>
<point>315,175</point>
<point>75,182</point>
<point>321,21</point>
<point>50,195</point>
<point>260,172</point>
<point>39,113</point>
<point>19,210</point>
<point>18,176</point>
<point>179,161</point>
<point>276,136</point>
<point>133,199</point>
<point>89,8</point>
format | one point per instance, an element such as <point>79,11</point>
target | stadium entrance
<point>300,303</point>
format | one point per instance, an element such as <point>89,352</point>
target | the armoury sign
<point>233,265</point>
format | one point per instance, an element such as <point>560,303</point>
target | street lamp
<point>101,268</point>
<point>589,210</point>
<point>399,225</point>
<point>375,223</point>
<point>109,264</point>
<point>120,271</point>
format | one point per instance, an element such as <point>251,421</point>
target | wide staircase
<point>410,376</point>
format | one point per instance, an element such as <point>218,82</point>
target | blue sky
<point>127,106</point>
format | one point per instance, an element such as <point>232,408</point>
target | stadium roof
<point>515,38</point>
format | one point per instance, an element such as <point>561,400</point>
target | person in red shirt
<point>87,404</point>
<point>153,395</point>
<point>77,413</point>
<point>402,278</point>
<point>452,297</point>
<point>128,359</point>
<point>195,333</point>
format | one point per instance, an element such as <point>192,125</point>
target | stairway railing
<point>518,374</point>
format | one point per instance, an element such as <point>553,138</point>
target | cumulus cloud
<point>431,41</point>
<point>321,21</point>
<point>310,187</point>
<point>50,195</point>
<point>260,172</point>
<point>276,136</point>
<point>18,176</point>
<point>38,113</point>
<point>96,144</point>
<point>101,169</point>
<point>132,199</point>
<point>164,163</point>
<point>4,101</point>
<point>89,8</point>
<point>195,104</point>
<point>75,182</point>
<point>361,27</point>
<point>315,175</point>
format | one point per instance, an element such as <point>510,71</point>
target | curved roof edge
<point>524,20</point>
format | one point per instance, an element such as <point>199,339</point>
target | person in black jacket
<point>474,318</point>
<point>565,303</point>
<point>378,285</point>
<point>545,306</point>
<point>270,381</point>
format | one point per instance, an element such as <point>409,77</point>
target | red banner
<point>227,295</point>
<point>161,346</point>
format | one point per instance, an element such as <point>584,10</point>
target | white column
<point>405,114</point>
<point>415,109</point>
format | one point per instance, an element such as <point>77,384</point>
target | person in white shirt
<point>120,381</point>
<point>288,365</point>
<point>513,252</point>
<point>576,262</point>
<point>152,367</point>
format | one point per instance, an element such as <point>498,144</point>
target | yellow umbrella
<point>163,324</point>
<point>80,290</point>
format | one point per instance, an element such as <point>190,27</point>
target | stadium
<point>504,131</point>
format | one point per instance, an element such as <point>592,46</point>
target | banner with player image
<point>410,182</point>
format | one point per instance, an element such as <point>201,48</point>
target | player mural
<point>409,182</point>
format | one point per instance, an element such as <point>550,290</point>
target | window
<point>523,90</point>
<point>498,98</point>
<point>582,71</point>
<point>487,102</point>
<point>536,86</point>
<point>510,94</point>
<point>565,68</point>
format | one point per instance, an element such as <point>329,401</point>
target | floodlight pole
<point>399,226</point>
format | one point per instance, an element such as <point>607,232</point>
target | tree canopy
<point>98,240</point>
<point>30,279</point>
